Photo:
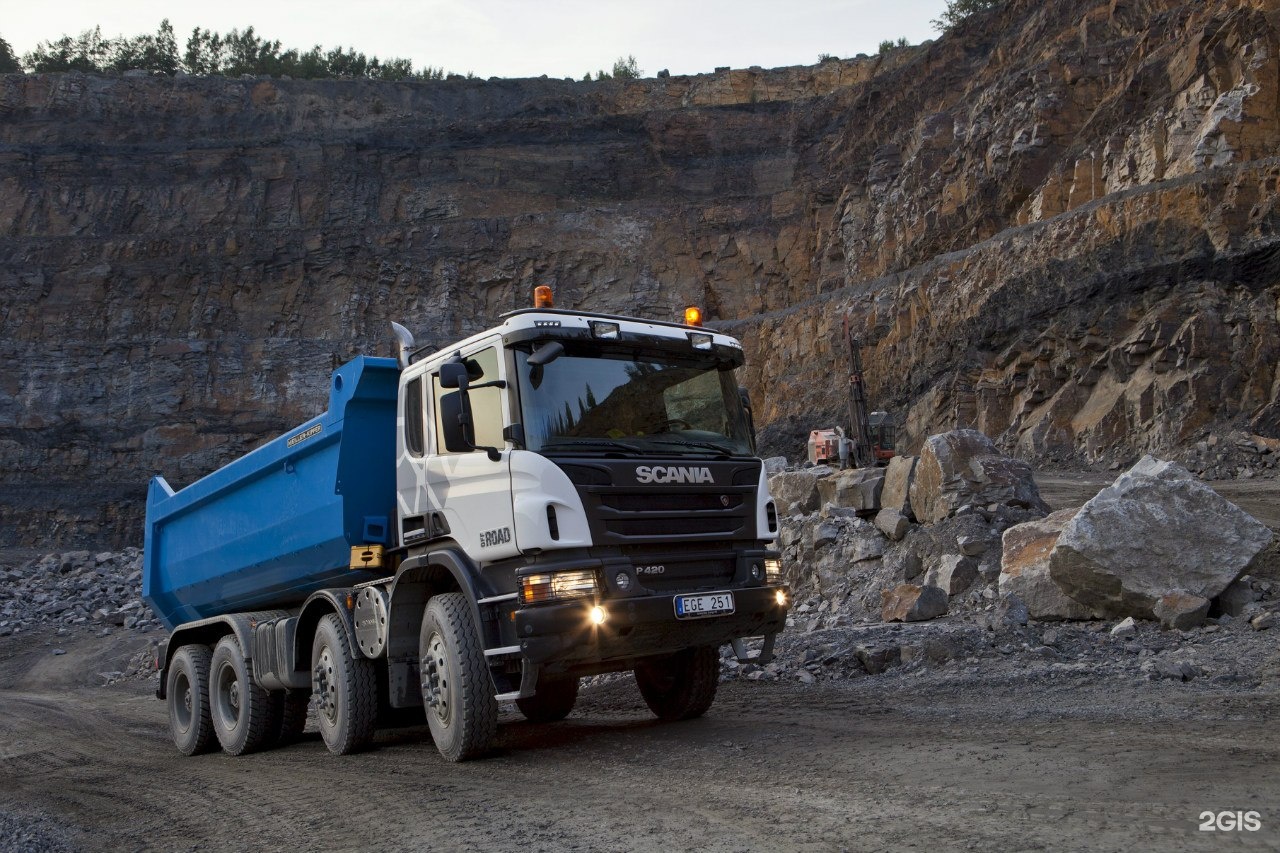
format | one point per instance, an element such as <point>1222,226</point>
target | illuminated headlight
<point>700,340</point>
<point>605,331</point>
<point>552,586</point>
<point>773,571</point>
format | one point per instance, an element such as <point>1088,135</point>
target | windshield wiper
<point>690,442</point>
<point>592,442</point>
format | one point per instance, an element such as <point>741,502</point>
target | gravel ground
<point>978,730</point>
<point>988,750</point>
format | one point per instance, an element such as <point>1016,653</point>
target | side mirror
<point>745,397</point>
<point>546,353</point>
<point>543,355</point>
<point>455,420</point>
<point>453,374</point>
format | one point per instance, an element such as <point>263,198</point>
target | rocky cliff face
<point>1057,225</point>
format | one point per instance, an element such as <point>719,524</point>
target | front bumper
<point>552,635</point>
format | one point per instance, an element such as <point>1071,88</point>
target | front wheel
<point>553,701</point>
<point>680,686</point>
<point>456,687</point>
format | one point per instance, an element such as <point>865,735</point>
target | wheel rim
<point>326,686</point>
<point>437,680</point>
<point>228,696</point>
<point>183,708</point>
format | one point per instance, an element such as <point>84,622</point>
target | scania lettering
<point>672,474</point>
<point>487,522</point>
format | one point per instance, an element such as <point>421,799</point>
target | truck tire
<point>245,718</point>
<point>293,715</point>
<point>187,692</point>
<point>346,690</point>
<point>680,686</point>
<point>553,701</point>
<point>457,690</point>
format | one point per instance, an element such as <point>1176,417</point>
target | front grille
<point>628,506</point>
<point>679,502</point>
<point>681,526</point>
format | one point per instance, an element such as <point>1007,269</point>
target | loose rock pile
<point>963,530</point>
<point>1240,455</point>
<point>872,561</point>
<point>75,590</point>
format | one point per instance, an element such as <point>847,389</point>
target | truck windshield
<point>631,402</point>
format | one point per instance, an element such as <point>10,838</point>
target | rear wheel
<point>680,686</point>
<point>293,715</point>
<point>187,694</point>
<point>245,715</point>
<point>456,687</point>
<point>553,701</point>
<point>346,690</point>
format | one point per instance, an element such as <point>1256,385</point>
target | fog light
<point>756,571</point>
<point>780,595</point>
<point>599,614</point>
<point>623,581</point>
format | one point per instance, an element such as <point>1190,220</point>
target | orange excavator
<point>871,439</point>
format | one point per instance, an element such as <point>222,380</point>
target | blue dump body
<point>277,524</point>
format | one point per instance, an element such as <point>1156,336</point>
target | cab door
<point>471,492</point>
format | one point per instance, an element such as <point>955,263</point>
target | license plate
<point>707,604</point>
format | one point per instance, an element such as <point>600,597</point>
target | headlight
<point>772,571</point>
<point>550,586</point>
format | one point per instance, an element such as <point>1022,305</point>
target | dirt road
<point>1260,497</point>
<point>932,759</point>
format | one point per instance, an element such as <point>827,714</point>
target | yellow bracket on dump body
<point>366,557</point>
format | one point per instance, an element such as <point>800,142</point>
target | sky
<point>516,38</point>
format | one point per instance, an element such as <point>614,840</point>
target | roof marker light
<point>606,331</point>
<point>542,297</point>
<point>693,316</point>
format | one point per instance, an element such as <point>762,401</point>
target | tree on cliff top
<point>8,62</point>
<point>211,53</point>
<point>958,11</point>
<point>624,68</point>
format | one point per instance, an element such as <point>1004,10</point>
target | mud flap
<point>765,655</point>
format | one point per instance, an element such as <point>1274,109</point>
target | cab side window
<point>486,403</point>
<point>413,434</point>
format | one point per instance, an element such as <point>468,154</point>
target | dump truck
<point>563,495</point>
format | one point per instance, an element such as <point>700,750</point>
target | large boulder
<point>858,489</point>
<point>910,603</point>
<point>954,573</point>
<point>962,468</point>
<point>897,485</point>
<point>1157,529</point>
<point>797,491</point>
<point>1024,568</point>
<point>1181,610</point>
<point>892,523</point>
